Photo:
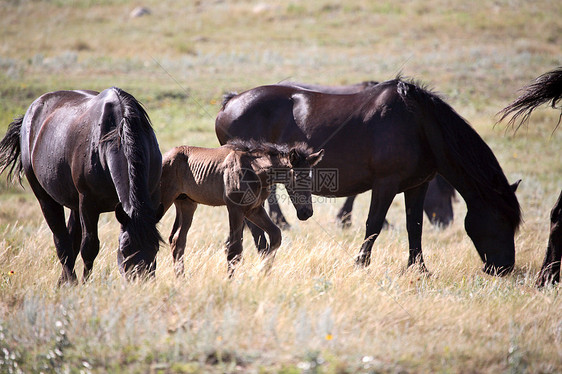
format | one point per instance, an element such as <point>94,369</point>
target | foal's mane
<point>258,148</point>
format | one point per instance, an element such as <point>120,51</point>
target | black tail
<point>10,151</point>
<point>458,148</point>
<point>547,87</point>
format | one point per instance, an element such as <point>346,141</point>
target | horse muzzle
<point>304,213</point>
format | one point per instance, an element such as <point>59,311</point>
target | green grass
<point>314,312</point>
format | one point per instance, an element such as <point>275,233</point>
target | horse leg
<point>344,215</point>
<point>54,215</point>
<point>381,198</point>
<point>550,270</point>
<point>75,231</point>
<point>261,220</point>
<point>414,199</point>
<point>259,236</point>
<point>185,209</point>
<point>234,242</point>
<point>275,210</point>
<point>90,244</point>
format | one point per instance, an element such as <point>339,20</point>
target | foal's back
<point>198,173</point>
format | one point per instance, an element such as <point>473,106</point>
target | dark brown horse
<point>391,138</point>
<point>546,88</point>
<point>238,175</point>
<point>438,203</point>
<point>91,152</point>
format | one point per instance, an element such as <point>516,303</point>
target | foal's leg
<point>344,215</point>
<point>414,219</point>
<point>90,244</point>
<point>259,236</point>
<point>185,209</point>
<point>275,210</point>
<point>260,218</point>
<point>234,242</point>
<point>550,270</point>
<point>381,198</point>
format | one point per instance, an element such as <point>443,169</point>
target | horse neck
<point>270,169</point>
<point>460,154</point>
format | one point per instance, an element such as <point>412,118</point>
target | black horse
<point>391,138</point>
<point>91,152</point>
<point>546,88</point>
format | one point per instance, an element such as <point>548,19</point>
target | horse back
<point>284,114</point>
<point>196,172</point>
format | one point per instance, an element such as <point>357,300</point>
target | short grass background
<point>314,312</point>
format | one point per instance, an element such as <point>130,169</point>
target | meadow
<point>314,312</point>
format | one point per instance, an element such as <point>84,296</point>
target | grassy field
<point>314,312</point>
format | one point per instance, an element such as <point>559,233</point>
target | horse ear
<point>293,156</point>
<point>515,185</point>
<point>315,158</point>
<point>160,212</point>
<point>120,214</point>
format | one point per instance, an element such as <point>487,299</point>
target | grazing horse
<point>391,138</point>
<point>546,88</point>
<point>238,175</point>
<point>90,152</point>
<point>440,194</point>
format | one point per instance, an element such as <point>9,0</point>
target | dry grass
<point>313,312</point>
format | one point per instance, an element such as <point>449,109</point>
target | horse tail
<point>227,97</point>
<point>10,151</point>
<point>458,148</point>
<point>547,87</point>
<point>134,126</point>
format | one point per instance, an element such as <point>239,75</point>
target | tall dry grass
<point>313,312</point>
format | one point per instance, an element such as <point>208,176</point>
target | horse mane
<point>257,147</point>
<point>464,147</point>
<point>128,133</point>
<point>227,97</point>
<point>547,87</point>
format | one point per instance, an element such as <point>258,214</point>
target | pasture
<point>313,312</point>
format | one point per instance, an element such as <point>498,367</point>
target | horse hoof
<point>545,279</point>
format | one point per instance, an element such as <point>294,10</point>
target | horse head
<point>300,182</point>
<point>138,241</point>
